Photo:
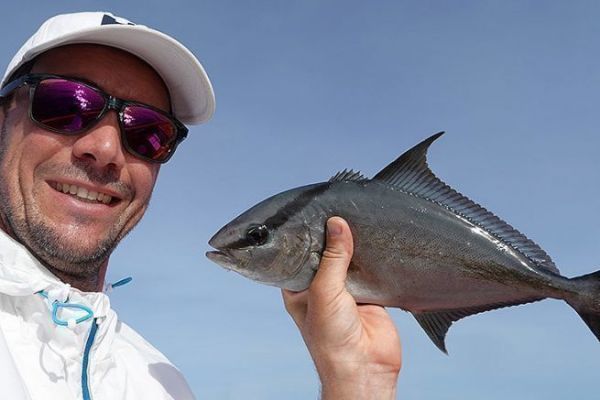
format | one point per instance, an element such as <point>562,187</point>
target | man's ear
<point>4,104</point>
<point>7,106</point>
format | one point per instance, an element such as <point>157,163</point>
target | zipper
<point>85,385</point>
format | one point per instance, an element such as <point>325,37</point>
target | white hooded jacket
<point>98,358</point>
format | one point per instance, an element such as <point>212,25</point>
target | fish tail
<point>587,302</point>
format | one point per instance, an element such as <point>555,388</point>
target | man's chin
<point>72,252</point>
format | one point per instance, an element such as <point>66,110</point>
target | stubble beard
<point>57,251</point>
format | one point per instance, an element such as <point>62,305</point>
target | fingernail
<point>333,229</point>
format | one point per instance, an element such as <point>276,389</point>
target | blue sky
<point>307,88</point>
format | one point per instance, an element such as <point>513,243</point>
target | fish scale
<point>419,245</point>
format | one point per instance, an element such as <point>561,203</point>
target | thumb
<point>331,275</point>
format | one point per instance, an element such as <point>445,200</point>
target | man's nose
<point>101,145</point>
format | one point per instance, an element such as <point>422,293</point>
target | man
<point>91,106</point>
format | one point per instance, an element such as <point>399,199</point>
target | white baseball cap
<point>192,96</point>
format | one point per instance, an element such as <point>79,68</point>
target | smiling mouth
<point>83,193</point>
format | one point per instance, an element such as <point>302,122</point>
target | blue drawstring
<point>122,282</point>
<point>56,305</point>
<point>108,287</point>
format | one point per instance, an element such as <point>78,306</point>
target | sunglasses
<point>69,106</point>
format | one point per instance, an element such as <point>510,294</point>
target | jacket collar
<point>21,274</point>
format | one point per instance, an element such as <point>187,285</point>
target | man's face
<point>71,234</point>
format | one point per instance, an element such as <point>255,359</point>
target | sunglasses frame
<point>110,103</point>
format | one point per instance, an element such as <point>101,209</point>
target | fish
<point>419,245</point>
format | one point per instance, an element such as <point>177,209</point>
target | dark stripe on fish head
<point>296,205</point>
<point>283,214</point>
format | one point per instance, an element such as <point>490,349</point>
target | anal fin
<point>437,323</point>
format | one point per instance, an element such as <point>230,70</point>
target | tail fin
<point>587,303</point>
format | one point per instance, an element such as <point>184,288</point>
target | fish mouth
<point>222,259</point>
<point>220,255</point>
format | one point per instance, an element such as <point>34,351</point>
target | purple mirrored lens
<point>148,133</point>
<point>65,106</point>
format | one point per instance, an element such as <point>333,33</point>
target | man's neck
<point>85,284</point>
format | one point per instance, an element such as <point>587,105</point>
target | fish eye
<point>257,235</point>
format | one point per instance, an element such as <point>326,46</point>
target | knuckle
<point>335,253</point>
<point>294,302</point>
<point>323,292</point>
<point>290,307</point>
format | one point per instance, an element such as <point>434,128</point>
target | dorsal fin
<point>410,166</point>
<point>410,173</point>
<point>347,175</point>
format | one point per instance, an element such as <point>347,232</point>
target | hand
<point>356,348</point>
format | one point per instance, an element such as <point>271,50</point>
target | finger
<point>296,304</point>
<point>333,269</point>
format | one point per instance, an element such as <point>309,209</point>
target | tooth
<point>92,195</point>
<point>82,192</point>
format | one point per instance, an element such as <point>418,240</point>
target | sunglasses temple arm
<point>12,86</point>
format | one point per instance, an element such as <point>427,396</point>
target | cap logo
<point>110,20</point>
